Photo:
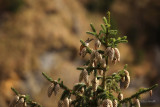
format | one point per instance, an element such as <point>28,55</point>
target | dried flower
<point>56,89</point>
<point>14,101</point>
<point>127,82</point>
<point>120,96</point>
<point>20,102</point>
<point>138,103</point>
<point>115,103</point>
<point>66,102</point>
<point>117,54</point>
<point>60,103</point>
<point>50,89</point>
<point>97,44</point>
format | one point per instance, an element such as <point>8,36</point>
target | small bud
<point>94,84</point>
<point>115,104</point>
<point>150,93</point>
<point>14,101</point>
<point>120,96</point>
<point>138,103</point>
<point>127,82</point>
<point>117,54</point>
<point>50,89</point>
<point>66,102</point>
<point>60,103</point>
<point>97,44</point>
<point>56,89</point>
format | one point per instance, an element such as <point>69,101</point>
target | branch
<point>141,91</point>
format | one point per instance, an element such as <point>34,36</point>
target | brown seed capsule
<point>110,53</point>
<point>117,54</point>
<point>115,104</point>
<point>110,103</point>
<point>24,104</point>
<point>138,103</point>
<point>94,84</point>
<point>66,102</point>
<point>83,52</point>
<point>70,102</point>
<point>82,90</point>
<point>56,89</point>
<point>120,96</point>
<point>92,55</point>
<point>150,93</point>
<point>85,76</point>
<point>106,103</point>
<point>127,82</point>
<point>50,89</point>
<point>60,103</point>
<point>97,44</point>
<point>103,63</point>
<point>14,101</point>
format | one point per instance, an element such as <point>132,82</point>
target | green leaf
<point>104,28</point>
<point>93,29</point>
<point>92,33</point>
<point>105,20</point>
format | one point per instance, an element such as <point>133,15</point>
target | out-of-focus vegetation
<point>43,35</point>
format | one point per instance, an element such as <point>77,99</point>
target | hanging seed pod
<point>56,89</point>
<point>83,52</point>
<point>150,93</point>
<point>50,89</point>
<point>14,101</point>
<point>110,103</point>
<point>94,84</point>
<point>25,104</point>
<point>96,54</point>
<point>138,103</point>
<point>106,103</point>
<point>100,72</point>
<point>115,103</point>
<point>99,58</point>
<point>117,54</point>
<point>126,72</point>
<point>114,60</point>
<point>123,79</point>
<point>120,96</point>
<point>110,53</point>
<point>66,102</point>
<point>103,63</point>
<point>85,76</point>
<point>97,44</point>
<point>60,103</point>
<point>127,82</point>
<point>70,102</point>
<point>81,77</point>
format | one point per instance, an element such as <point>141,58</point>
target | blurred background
<point>43,36</point>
